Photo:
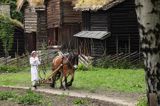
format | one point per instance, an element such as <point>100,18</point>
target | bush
<point>81,67</point>
<point>104,62</point>
<point>9,69</point>
<point>123,64</point>
<point>30,98</point>
<point>79,102</point>
<point>5,95</point>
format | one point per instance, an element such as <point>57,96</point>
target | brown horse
<point>69,64</point>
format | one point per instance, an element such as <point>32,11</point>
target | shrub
<point>79,102</point>
<point>5,95</point>
<point>123,64</point>
<point>81,67</point>
<point>30,98</point>
<point>9,69</point>
<point>104,62</point>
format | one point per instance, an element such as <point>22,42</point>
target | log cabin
<point>62,23</point>
<point>53,22</point>
<point>35,24</point>
<point>109,28</point>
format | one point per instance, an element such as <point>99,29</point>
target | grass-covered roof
<point>33,3</point>
<point>84,5</point>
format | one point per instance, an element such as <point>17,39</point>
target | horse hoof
<point>61,87</point>
<point>69,84</point>
<point>52,85</point>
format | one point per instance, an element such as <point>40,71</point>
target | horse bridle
<point>68,61</point>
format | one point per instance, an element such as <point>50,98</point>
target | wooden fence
<point>133,58</point>
<point>23,61</point>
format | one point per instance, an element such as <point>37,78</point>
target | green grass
<point>142,102</point>
<point>26,98</point>
<point>20,78</point>
<point>123,80</point>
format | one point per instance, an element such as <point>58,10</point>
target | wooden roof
<point>93,34</point>
<point>94,5</point>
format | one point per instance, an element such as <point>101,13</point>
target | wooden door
<point>67,33</point>
<point>31,41</point>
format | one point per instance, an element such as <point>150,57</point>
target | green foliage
<point>81,67</point>
<point>30,98</point>
<point>142,102</point>
<point>79,102</point>
<point>5,95</point>
<point>14,13</point>
<point>6,33</point>
<point>123,64</point>
<point>105,62</point>
<point>9,69</point>
<point>26,98</point>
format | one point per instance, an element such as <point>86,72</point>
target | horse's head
<point>73,58</point>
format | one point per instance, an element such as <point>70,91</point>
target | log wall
<point>30,19</point>
<point>121,21</point>
<point>53,13</point>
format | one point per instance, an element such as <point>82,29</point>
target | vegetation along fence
<point>46,57</point>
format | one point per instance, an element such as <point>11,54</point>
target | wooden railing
<point>133,58</point>
<point>23,61</point>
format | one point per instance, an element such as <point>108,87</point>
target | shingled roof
<point>86,5</point>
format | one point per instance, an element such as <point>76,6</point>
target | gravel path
<point>114,100</point>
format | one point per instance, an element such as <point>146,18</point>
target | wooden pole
<point>129,46</point>
<point>117,45</point>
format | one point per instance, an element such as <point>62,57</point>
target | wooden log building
<point>34,24</point>
<point>52,23</point>
<point>62,23</point>
<point>117,19</point>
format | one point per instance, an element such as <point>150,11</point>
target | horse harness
<point>66,61</point>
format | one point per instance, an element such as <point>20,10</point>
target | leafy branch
<point>6,33</point>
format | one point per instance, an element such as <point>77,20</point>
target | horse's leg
<point>65,76</point>
<point>65,83</point>
<point>61,78</point>
<point>53,80</point>
<point>72,79</point>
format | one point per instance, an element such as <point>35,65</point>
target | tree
<point>148,15</point>
<point>6,34</point>
<point>14,13</point>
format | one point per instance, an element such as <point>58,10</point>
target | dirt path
<point>118,99</point>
